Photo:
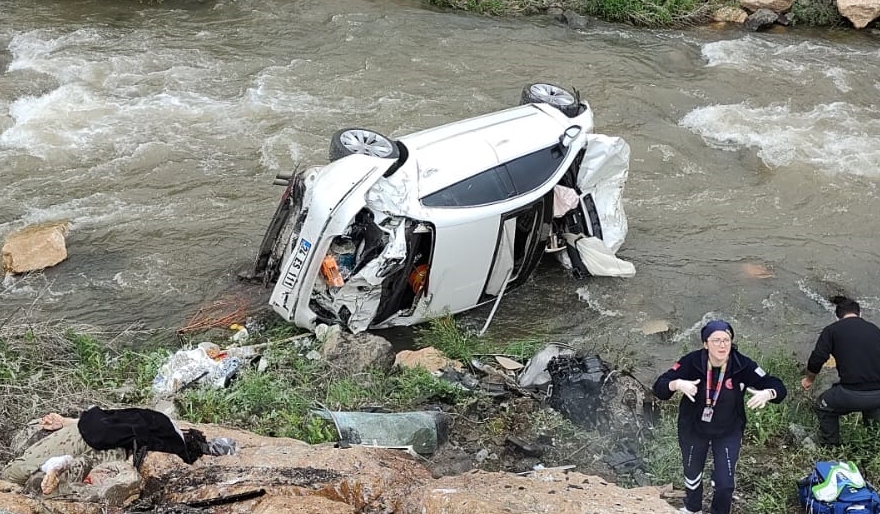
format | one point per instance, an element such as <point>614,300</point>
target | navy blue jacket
<point>730,412</point>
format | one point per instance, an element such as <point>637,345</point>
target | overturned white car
<point>396,232</point>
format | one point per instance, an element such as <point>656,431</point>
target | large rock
<point>760,20</point>
<point>729,14</point>
<point>859,12</point>
<point>429,358</point>
<point>357,352</point>
<point>35,247</point>
<point>776,6</point>
<point>546,491</point>
<point>279,475</point>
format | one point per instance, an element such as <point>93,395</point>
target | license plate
<point>299,258</point>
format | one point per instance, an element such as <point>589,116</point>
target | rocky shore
<point>281,475</point>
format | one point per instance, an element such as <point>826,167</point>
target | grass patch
<point>446,335</point>
<point>817,13</point>
<point>772,459</point>
<point>55,368</point>
<point>644,13</point>
<point>47,367</point>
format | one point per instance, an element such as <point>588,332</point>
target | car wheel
<point>350,141</point>
<point>556,96</point>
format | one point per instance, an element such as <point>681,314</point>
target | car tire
<point>350,141</point>
<point>560,98</point>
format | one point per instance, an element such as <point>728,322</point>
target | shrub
<point>817,13</point>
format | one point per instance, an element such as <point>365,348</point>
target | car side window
<point>483,188</point>
<point>514,178</point>
<point>530,171</point>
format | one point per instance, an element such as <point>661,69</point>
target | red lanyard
<point>712,402</point>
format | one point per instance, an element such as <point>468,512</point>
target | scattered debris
<point>424,431</point>
<point>623,462</point>
<point>655,326</point>
<point>508,363</point>
<point>220,314</point>
<point>535,373</point>
<point>586,390</point>
<point>207,363</point>
<point>523,447</point>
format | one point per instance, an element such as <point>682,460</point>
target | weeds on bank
<point>457,343</point>
<point>646,13</point>
<point>772,459</point>
<point>46,367</point>
<point>817,13</point>
<point>280,401</point>
<point>52,368</point>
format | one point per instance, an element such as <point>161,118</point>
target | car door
<point>522,236</point>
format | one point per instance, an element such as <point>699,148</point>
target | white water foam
<point>836,138</point>
<point>585,296</point>
<point>113,97</point>
<point>803,59</point>
<point>93,211</point>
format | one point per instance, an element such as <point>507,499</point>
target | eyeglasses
<point>718,342</point>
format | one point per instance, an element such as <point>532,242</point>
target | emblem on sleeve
<point>760,372</point>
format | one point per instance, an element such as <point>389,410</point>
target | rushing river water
<point>157,131</point>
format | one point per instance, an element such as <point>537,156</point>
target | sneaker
<point>684,510</point>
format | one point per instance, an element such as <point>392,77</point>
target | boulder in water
<point>35,247</point>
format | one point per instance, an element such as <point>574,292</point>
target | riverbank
<point>681,13</point>
<point>87,367</point>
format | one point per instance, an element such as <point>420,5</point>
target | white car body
<point>462,213</point>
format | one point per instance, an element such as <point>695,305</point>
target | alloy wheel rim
<point>366,142</point>
<point>552,95</point>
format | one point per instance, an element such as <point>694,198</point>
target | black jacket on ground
<point>133,428</point>
<point>730,413</point>
<point>855,345</point>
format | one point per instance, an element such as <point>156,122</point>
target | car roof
<point>448,154</point>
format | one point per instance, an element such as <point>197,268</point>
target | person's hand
<point>687,387</point>
<point>760,398</point>
<point>52,421</point>
<point>807,382</point>
<point>53,467</point>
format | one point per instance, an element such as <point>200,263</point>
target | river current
<point>157,130</point>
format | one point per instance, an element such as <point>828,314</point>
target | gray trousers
<point>65,441</point>
<point>837,401</point>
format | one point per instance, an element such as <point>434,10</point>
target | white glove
<point>687,387</point>
<point>57,463</point>
<point>760,398</point>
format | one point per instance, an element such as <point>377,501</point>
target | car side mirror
<point>570,134</point>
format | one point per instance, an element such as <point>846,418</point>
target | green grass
<point>817,13</point>
<point>50,367</point>
<point>279,401</point>
<point>645,13</point>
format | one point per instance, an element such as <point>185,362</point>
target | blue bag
<point>837,488</point>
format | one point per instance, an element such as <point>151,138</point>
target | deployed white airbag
<point>598,258</point>
<point>603,174</point>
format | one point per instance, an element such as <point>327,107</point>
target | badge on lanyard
<point>709,409</point>
<point>707,414</point>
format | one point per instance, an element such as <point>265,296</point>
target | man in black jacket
<point>855,345</point>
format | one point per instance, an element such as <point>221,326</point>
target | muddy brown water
<point>158,129</point>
